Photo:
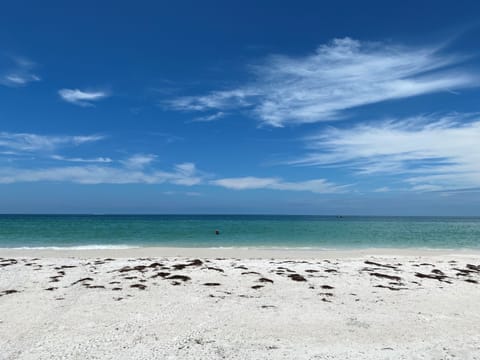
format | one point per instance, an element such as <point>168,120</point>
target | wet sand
<point>239,304</point>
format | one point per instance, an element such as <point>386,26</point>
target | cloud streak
<point>338,76</point>
<point>19,73</point>
<point>81,97</point>
<point>27,142</point>
<point>428,152</point>
<point>319,186</point>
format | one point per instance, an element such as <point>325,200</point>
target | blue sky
<point>341,107</point>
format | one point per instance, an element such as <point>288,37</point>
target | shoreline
<point>240,252</point>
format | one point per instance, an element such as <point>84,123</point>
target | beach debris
<point>473,267</point>
<point>472,281</point>
<point>215,268</point>
<point>196,262</point>
<point>179,277</point>
<point>94,286</point>
<point>155,265</point>
<point>243,267</point>
<point>212,284</point>
<point>265,280</point>
<point>311,271</point>
<point>297,277</point>
<point>256,287</point>
<point>327,287</point>
<point>7,262</point>
<point>65,267</point>
<point>51,288</point>
<point>250,272</point>
<point>160,274</point>
<point>331,271</point>
<point>430,276</point>
<point>368,262</point>
<point>8,292</point>
<point>81,280</point>
<point>116,288</point>
<point>385,276</point>
<point>139,286</point>
<point>391,287</point>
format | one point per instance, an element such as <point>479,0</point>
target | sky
<point>240,107</point>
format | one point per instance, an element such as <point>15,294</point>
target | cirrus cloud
<point>81,97</point>
<point>319,186</point>
<point>428,152</point>
<point>338,76</point>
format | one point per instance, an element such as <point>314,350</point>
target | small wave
<point>78,247</point>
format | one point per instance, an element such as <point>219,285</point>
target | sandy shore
<point>239,304</point>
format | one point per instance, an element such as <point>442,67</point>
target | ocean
<point>315,232</point>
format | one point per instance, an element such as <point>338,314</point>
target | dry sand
<point>239,304</point>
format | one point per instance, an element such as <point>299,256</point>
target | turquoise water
<point>237,231</point>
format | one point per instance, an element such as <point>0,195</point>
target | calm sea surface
<point>237,231</point>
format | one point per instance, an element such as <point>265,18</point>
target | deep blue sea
<point>321,232</point>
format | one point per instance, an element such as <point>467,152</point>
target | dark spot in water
<point>212,284</point>
<point>256,287</point>
<point>327,287</point>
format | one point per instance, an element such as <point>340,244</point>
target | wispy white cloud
<point>340,75</point>
<point>139,161</point>
<point>26,142</point>
<point>212,117</point>
<point>82,160</point>
<point>101,174</point>
<point>429,152</point>
<point>81,97</point>
<point>320,186</point>
<point>18,73</point>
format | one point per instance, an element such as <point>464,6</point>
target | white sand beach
<point>239,304</point>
